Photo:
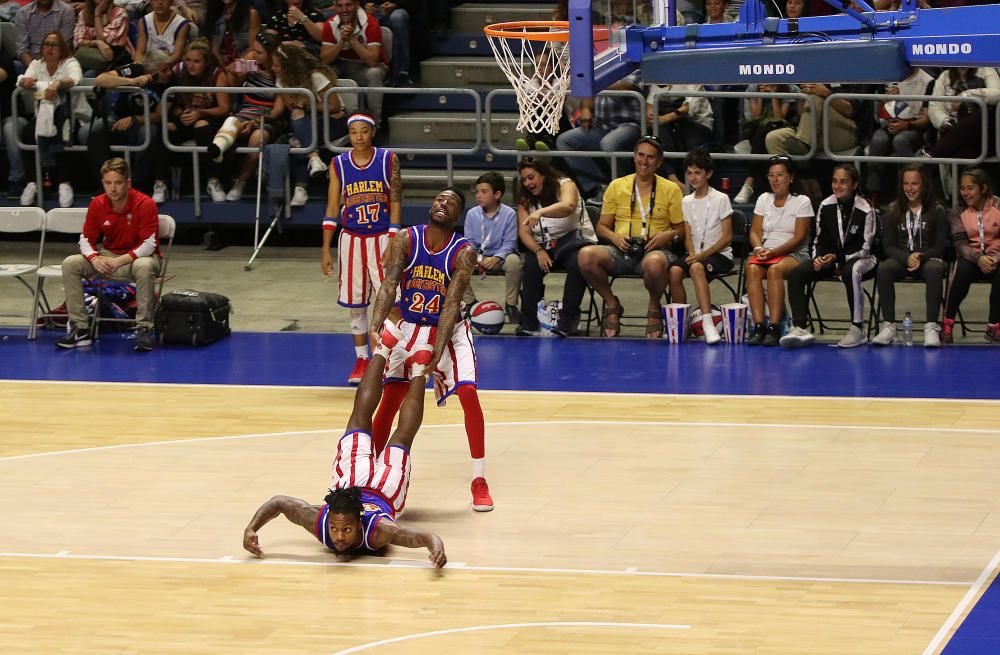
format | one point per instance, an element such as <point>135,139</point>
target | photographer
<point>641,221</point>
<point>122,121</point>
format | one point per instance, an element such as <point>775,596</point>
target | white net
<point>539,73</point>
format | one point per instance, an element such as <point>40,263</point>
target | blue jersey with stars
<point>427,276</point>
<point>374,508</point>
<point>364,190</point>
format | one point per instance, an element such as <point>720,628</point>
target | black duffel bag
<point>192,318</point>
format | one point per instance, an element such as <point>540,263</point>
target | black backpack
<point>192,318</point>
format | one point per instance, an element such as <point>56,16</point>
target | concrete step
<point>446,127</point>
<point>474,17</point>
<point>462,72</point>
<point>422,185</point>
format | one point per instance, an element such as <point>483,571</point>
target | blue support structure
<point>854,46</point>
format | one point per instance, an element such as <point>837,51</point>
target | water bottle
<point>907,329</point>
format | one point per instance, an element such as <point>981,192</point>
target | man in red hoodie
<point>119,242</point>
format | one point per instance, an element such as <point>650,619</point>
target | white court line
<point>510,626</point>
<point>963,604</point>
<point>601,394</point>
<point>411,564</point>
<point>677,424</point>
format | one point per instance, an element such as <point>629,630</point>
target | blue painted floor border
<point>534,364</point>
<point>979,633</point>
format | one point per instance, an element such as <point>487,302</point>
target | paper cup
<point>676,315</point>
<point>734,321</point>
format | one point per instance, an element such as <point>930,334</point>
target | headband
<point>364,118</point>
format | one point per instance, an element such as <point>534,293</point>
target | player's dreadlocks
<point>345,501</point>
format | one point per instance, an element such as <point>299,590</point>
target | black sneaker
<point>513,314</point>
<point>14,191</point>
<point>522,331</point>
<point>144,339</point>
<point>773,336</point>
<point>757,337</point>
<point>75,338</point>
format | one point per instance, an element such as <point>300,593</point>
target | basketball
<point>897,109</point>
<point>697,329</point>
<point>487,317</point>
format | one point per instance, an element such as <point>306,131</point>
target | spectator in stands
<point>244,125</point>
<point>550,213</point>
<point>681,123</point>
<point>900,124</point>
<point>608,123</point>
<point>915,233</point>
<point>50,77</point>
<point>162,29</point>
<point>229,25</point>
<point>715,12</point>
<point>641,220</point>
<point>124,121</point>
<point>34,21</point>
<point>287,23</point>
<point>959,124</point>
<point>119,242</point>
<point>352,44</point>
<point>779,237</point>
<point>294,67</point>
<point>795,9</point>
<point>101,36</point>
<point>975,233</point>
<point>844,247</point>
<point>396,16</point>
<point>707,239</point>
<point>763,115</point>
<point>491,226</point>
<point>199,115</point>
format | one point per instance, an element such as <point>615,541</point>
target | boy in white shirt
<point>708,214</point>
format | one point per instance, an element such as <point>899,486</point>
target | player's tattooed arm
<point>395,192</point>
<point>398,535</point>
<point>465,264</point>
<point>295,510</point>
<point>399,248</point>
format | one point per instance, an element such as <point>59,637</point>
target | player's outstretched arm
<point>399,248</point>
<point>395,192</point>
<point>295,510</point>
<point>465,264</point>
<point>399,535</point>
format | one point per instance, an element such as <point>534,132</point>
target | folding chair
<point>741,237</point>
<point>816,319</point>
<point>21,221</point>
<point>62,221</point>
<point>165,232</point>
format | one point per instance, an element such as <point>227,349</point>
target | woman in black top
<point>914,239</point>
<point>288,21</point>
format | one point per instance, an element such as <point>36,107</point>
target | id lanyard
<point>643,213</point>
<point>840,225</point>
<point>484,237</point>
<point>982,232</point>
<point>913,226</point>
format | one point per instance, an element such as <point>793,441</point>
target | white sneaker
<point>711,334</point>
<point>65,195</point>
<point>300,197</point>
<point>236,192</point>
<point>886,335</point>
<point>797,338</point>
<point>932,335</point>
<point>215,191</point>
<point>29,193</point>
<point>855,337</point>
<point>316,167</point>
<point>744,196</point>
<point>159,192</point>
<point>743,147</point>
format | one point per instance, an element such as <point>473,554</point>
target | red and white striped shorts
<point>457,365</point>
<point>357,466</point>
<point>360,271</point>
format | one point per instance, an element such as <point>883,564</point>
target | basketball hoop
<point>534,55</point>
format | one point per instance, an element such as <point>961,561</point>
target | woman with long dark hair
<point>975,233</point>
<point>915,241</point>
<point>228,26</point>
<point>549,213</point>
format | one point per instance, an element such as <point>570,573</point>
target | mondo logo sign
<point>748,70</point>
<point>918,49</point>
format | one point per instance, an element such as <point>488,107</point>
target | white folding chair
<point>166,231</point>
<point>22,220</point>
<point>62,221</point>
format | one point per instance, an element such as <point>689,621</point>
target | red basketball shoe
<point>948,330</point>
<point>358,372</point>
<point>481,499</point>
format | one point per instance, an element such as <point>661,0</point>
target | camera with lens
<point>636,247</point>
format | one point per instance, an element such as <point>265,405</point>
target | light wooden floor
<point>625,523</point>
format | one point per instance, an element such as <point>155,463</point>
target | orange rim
<point>519,30</point>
